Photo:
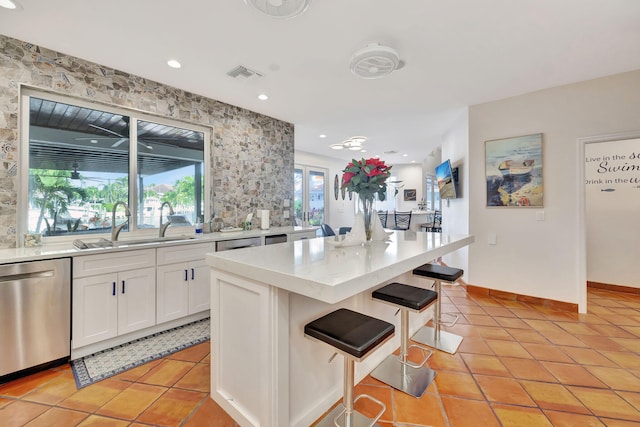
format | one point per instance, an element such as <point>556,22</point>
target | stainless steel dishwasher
<point>245,242</point>
<point>35,314</point>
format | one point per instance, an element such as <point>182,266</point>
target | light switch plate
<point>540,215</point>
<point>286,203</point>
<point>285,214</point>
<point>492,239</point>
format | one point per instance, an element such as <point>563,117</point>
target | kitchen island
<point>264,372</point>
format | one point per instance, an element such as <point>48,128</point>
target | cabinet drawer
<point>91,265</point>
<point>183,253</point>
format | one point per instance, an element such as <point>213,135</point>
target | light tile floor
<point>519,365</point>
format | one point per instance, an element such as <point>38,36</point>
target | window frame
<point>26,92</point>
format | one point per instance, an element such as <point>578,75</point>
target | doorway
<point>609,169</point>
<point>310,189</point>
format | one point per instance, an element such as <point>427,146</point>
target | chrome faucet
<point>163,227</point>
<point>115,229</point>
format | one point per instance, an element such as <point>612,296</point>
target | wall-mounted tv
<point>447,178</point>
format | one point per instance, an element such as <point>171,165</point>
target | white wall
<point>412,178</point>
<point>531,257</point>
<point>612,198</point>
<point>455,216</point>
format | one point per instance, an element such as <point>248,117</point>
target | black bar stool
<point>354,335</point>
<point>397,371</point>
<point>435,337</point>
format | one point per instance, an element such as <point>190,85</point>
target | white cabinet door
<point>173,291</point>
<point>136,299</point>
<point>95,309</point>
<point>199,286</point>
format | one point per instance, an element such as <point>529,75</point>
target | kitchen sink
<point>105,243</point>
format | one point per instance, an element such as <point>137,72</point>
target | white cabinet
<point>183,286</point>
<point>113,294</point>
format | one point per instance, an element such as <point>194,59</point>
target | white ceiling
<point>457,53</point>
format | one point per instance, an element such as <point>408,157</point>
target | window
<point>80,164</point>
<point>432,194</point>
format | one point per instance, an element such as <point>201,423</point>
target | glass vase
<point>367,213</point>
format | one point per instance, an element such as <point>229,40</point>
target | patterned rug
<point>107,363</point>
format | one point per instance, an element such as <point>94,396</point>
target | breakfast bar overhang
<point>264,372</point>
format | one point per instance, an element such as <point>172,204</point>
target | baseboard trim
<point>549,303</point>
<point>610,287</point>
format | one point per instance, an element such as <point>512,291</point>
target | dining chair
<point>402,220</point>
<point>383,218</point>
<point>436,225</point>
<point>327,230</point>
<point>344,230</point>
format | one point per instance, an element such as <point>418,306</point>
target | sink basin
<point>105,243</point>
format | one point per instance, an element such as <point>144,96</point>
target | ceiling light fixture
<point>9,4</point>
<point>280,8</point>
<point>375,61</point>
<point>354,143</point>
<point>174,63</point>
<point>263,97</point>
<point>322,135</point>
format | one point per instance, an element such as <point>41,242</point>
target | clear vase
<point>367,213</point>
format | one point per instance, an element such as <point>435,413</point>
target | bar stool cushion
<point>406,295</point>
<point>439,272</point>
<point>351,332</point>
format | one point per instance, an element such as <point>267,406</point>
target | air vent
<point>391,152</point>
<point>243,73</point>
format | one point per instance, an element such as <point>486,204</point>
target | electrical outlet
<point>285,214</point>
<point>540,215</point>
<point>492,239</point>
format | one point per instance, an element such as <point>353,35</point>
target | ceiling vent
<point>280,8</point>
<point>375,61</point>
<point>243,73</point>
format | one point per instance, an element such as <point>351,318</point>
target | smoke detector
<point>374,61</point>
<point>280,8</point>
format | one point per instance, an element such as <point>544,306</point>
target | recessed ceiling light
<point>171,63</point>
<point>413,161</point>
<point>405,155</point>
<point>323,135</point>
<point>9,4</point>
<point>263,97</point>
<point>363,151</point>
<point>93,141</point>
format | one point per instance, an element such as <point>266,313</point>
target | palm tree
<point>51,192</point>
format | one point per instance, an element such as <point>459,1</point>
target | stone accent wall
<point>252,154</point>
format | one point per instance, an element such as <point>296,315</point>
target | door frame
<point>305,195</point>
<point>582,209</point>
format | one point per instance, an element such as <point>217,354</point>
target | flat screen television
<point>447,180</point>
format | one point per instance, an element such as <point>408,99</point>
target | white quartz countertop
<point>319,270</point>
<point>66,248</point>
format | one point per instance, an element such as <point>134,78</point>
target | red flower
<point>346,177</point>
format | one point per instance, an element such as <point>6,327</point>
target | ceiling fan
<point>122,138</point>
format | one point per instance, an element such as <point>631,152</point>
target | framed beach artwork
<point>410,195</point>
<point>513,171</point>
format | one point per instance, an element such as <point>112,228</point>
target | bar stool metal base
<point>413,381</point>
<point>447,342</point>
<point>357,419</point>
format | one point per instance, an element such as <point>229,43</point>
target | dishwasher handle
<point>30,275</point>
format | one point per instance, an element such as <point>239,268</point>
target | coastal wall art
<point>410,195</point>
<point>513,171</point>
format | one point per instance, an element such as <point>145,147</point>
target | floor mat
<point>107,363</point>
